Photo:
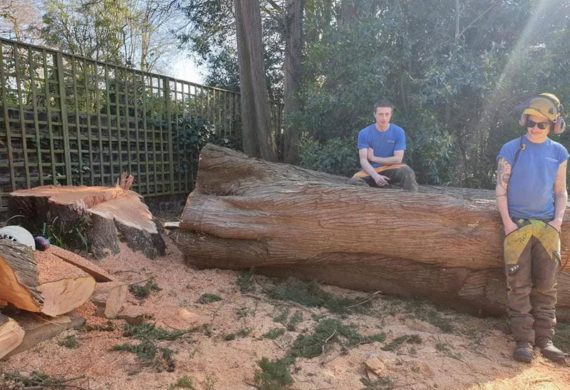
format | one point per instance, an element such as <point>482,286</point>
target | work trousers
<point>532,262</point>
<point>402,176</point>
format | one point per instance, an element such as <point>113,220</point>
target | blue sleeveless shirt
<point>530,192</point>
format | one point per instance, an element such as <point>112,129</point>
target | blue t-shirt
<point>384,143</point>
<point>530,192</point>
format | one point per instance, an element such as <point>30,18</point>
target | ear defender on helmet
<point>548,106</point>
<point>559,122</point>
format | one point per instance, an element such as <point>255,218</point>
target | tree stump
<point>89,218</point>
<point>443,244</point>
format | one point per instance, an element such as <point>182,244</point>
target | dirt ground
<point>424,348</point>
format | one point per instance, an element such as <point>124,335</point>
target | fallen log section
<point>90,218</point>
<point>11,335</point>
<point>40,281</point>
<point>443,244</point>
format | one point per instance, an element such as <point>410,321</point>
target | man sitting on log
<point>531,198</point>
<point>381,149</point>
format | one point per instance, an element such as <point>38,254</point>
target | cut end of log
<point>11,335</point>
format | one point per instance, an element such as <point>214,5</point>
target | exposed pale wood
<point>98,273</point>
<point>443,244</point>
<point>99,215</point>
<point>19,276</point>
<point>39,328</point>
<point>11,335</point>
<point>41,281</point>
<point>63,286</point>
<point>110,298</point>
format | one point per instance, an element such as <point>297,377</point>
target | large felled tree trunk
<point>441,244</point>
<point>89,218</point>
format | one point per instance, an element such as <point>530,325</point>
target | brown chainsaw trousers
<point>531,279</point>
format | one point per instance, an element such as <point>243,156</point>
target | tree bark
<point>444,244</point>
<point>258,140</point>
<point>40,281</point>
<point>292,83</point>
<point>89,218</point>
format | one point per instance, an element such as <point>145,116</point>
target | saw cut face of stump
<point>89,219</point>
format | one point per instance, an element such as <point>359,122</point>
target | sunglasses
<point>541,125</point>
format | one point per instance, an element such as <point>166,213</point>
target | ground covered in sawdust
<point>234,321</point>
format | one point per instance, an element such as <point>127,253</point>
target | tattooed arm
<point>503,176</point>
<point>560,196</point>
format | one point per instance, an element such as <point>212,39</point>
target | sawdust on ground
<point>474,356</point>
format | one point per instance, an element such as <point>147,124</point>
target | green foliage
<point>142,292</point>
<point>329,331</point>
<point>69,342</point>
<point>36,379</point>
<point>245,281</point>
<point>244,332</point>
<point>209,298</point>
<point>456,72</point>
<point>150,332</point>
<point>274,333</point>
<point>338,156</point>
<point>182,383</point>
<point>311,295</point>
<point>146,350</point>
<point>274,374</point>
<point>426,312</point>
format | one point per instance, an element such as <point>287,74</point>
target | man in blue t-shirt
<point>381,149</point>
<point>531,198</point>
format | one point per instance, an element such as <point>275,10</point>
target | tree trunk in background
<point>442,244</point>
<point>292,83</point>
<point>258,140</point>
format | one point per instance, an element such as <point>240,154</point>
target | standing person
<point>381,149</point>
<point>531,198</point>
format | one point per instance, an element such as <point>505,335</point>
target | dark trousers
<point>403,177</point>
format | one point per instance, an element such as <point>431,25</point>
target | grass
<point>209,298</point>
<point>245,281</point>
<point>311,295</point>
<point>146,350</point>
<point>330,331</point>
<point>69,342</point>
<point>182,383</point>
<point>36,380</point>
<point>273,374</point>
<point>142,292</point>
<point>274,333</point>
